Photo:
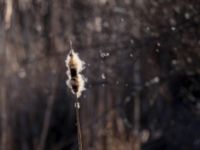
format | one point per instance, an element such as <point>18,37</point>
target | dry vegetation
<point>142,64</point>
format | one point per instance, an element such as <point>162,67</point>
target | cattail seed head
<point>74,62</point>
<point>76,81</point>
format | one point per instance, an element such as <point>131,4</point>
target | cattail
<point>76,81</point>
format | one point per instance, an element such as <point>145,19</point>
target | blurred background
<point>142,65</point>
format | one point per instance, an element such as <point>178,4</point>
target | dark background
<point>142,65</point>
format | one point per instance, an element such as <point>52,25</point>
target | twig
<point>77,107</point>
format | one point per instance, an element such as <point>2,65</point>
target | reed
<point>76,83</point>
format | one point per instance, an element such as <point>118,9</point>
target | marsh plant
<point>76,83</point>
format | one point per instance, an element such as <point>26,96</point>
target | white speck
<point>153,81</point>
<point>77,105</point>
<point>127,99</point>
<point>189,59</point>
<point>173,28</point>
<point>156,79</point>
<point>122,19</point>
<point>22,73</point>
<point>147,28</point>
<point>187,16</point>
<point>158,44</point>
<point>131,55</point>
<point>157,50</point>
<point>132,41</point>
<point>39,28</point>
<point>174,62</point>
<point>103,76</point>
<point>104,54</point>
<point>145,134</point>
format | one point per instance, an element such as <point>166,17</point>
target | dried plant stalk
<point>76,82</point>
<point>77,106</point>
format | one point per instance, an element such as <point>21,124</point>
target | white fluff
<point>73,61</point>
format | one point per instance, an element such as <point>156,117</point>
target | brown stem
<point>77,107</point>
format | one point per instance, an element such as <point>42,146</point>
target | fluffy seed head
<point>76,81</point>
<point>73,61</point>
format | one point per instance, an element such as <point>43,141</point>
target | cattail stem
<point>76,83</point>
<point>77,107</point>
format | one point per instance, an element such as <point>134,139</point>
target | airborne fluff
<point>76,81</point>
